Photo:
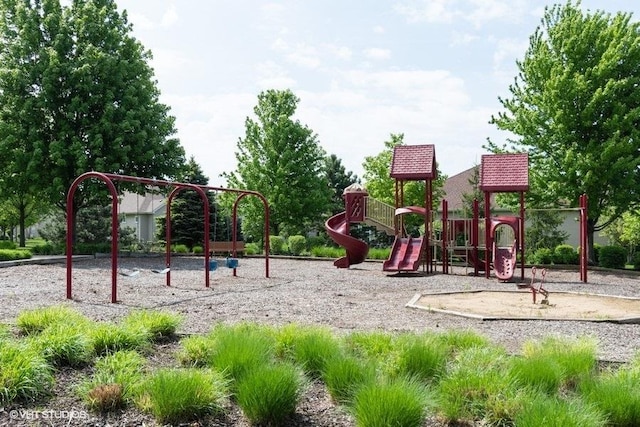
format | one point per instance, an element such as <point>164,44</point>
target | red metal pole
<point>445,233</point>
<point>475,235</point>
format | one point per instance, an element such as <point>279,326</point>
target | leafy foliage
<point>77,94</point>
<point>574,107</point>
<point>281,159</point>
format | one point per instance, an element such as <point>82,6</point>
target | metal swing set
<point>109,178</point>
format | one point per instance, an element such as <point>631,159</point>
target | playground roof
<point>414,162</point>
<point>504,173</point>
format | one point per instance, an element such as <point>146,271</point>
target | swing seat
<point>232,262</point>
<point>213,265</point>
<point>129,273</point>
<point>163,271</point>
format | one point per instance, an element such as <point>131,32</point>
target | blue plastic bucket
<point>213,265</point>
<point>232,262</point>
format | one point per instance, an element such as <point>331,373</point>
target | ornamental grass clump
<point>159,324</point>
<point>576,358</point>
<point>107,338</point>
<point>371,345</point>
<point>35,321</point>
<point>24,373</point>
<point>115,381</point>
<point>236,350</point>
<point>552,411</point>
<point>63,344</point>
<point>183,395</point>
<point>345,374</point>
<point>616,394</point>
<point>195,351</point>
<point>541,373</point>
<point>421,357</point>
<point>312,348</point>
<point>269,394</point>
<point>476,388</point>
<point>391,402</point>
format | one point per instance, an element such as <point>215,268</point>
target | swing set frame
<point>109,178</point>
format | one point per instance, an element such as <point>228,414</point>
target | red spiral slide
<point>338,229</point>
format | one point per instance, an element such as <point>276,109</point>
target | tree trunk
<point>591,253</point>
<point>22,219</point>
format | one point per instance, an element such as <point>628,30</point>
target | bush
<point>252,249</point>
<point>297,244</point>
<point>14,254</point>
<point>565,254</point>
<point>180,249</point>
<point>542,256</point>
<point>277,245</point>
<point>47,249</point>
<point>197,250</point>
<point>8,244</point>
<point>612,257</point>
<point>91,248</point>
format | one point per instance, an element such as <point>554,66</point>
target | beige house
<point>139,212</point>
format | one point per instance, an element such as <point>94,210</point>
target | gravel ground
<point>303,291</point>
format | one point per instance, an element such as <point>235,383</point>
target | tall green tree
<point>77,94</point>
<point>575,108</point>
<point>187,212</point>
<point>282,159</point>
<point>338,179</point>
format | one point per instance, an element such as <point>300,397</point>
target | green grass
<point>396,402</point>
<point>552,411</point>
<point>476,387</point>
<point>63,344</point>
<point>575,358</point>
<point>616,394</point>
<point>344,375</point>
<point>115,381</point>
<point>159,324</point>
<point>381,378</point>
<point>176,396</point>
<point>107,337</point>
<point>421,357</point>
<point>37,320</point>
<point>312,347</point>
<point>24,374</point>
<point>238,349</point>
<point>269,394</point>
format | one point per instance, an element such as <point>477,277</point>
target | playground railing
<point>380,212</point>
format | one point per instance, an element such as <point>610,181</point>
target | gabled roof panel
<point>504,173</point>
<point>414,162</point>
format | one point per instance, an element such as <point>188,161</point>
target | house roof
<point>414,162</point>
<point>504,173</point>
<point>132,203</point>
<point>457,186</point>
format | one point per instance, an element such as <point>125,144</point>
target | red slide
<point>357,250</point>
<point>405,254</point>
<point>504,261</point>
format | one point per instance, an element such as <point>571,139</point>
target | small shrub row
<point>14,254</point>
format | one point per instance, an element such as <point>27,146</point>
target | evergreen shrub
<point>612,257</point>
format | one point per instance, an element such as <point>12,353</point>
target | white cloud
<point>428,10</point>
<point>377,53</point>
<point>169,17</point>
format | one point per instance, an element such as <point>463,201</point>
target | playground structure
<point>109,178</point>
<point>409,163</point>
<point>489,243</point>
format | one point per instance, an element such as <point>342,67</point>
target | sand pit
<point>518,305</point>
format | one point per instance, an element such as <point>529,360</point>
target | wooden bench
<point>223,247</point>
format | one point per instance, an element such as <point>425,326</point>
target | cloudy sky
<point>430,69</point>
